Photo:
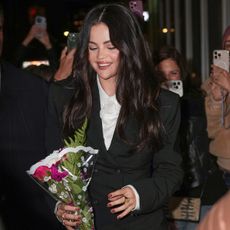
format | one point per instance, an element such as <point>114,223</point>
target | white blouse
<point>109,113</point>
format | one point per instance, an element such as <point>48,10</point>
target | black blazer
<point>155,175</point>
<point>24,205</point>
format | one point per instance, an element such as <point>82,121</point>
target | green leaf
<point>79,136</point>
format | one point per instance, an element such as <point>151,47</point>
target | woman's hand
<point>122,201</point>
<point>44,38</point>
<point>217,93</point>
<point>68,215</point>
<point>31,35</point>
<point>221,77</point>
<point>66,64</point>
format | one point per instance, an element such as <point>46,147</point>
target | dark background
<point>61,15</point>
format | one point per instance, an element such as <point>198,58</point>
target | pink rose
<point>41,172</point>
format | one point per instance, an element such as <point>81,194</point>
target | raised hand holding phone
<point>41,25</point>
<point>220,69</point>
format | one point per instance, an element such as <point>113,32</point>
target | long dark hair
<point>170,52</point>
<point>137,88</point>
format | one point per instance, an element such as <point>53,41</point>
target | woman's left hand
<point>122,201</point>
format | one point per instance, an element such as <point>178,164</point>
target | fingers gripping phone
<point>221,59</point>
<point>72,41</point>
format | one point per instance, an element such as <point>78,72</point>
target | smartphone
<point>72,41</point>
<point>175,86</point>
<point>41,22</point>
<point>221,59</point>
<point>136,7</point>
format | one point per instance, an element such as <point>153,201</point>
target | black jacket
<point>24,205</point>
<point>155,175</point>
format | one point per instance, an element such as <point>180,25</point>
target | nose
<point>101,53</point>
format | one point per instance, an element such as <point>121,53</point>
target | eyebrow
<point>106,42</point>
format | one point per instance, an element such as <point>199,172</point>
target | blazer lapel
<point>95,133</point>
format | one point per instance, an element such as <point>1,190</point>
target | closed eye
<point>92,48</point>
<point>112,48</point>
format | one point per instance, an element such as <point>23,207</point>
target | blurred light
<point>32,11</point>
<point>172,30</point>
<point>66,33</point>
<point>164,30</point>
<point>34,62</point>
<point>146,15</point>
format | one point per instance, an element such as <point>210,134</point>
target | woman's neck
<point>109,86</point>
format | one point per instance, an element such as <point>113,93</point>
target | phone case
<point>175,86</point>
<point>221,59</point>
<point>72,41</point>
<point>136,7</point>
<point>41,21</point>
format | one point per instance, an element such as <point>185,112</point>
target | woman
<point>193,137</point>
<point>170,63</point>
<point>217,106</point>
<point>132,122</point>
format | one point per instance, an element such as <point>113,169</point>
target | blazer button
<point>95,170</point>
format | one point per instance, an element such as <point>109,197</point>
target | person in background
<point>61,90</point>
<point>23,204</point>
<point>37,36</point>
<point>217,106</point>
<point>201,173</point>
<point>131,120</point>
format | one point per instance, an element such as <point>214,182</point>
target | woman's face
<point>170,69</point>
<point>103,56</point>
<point>227,43</point>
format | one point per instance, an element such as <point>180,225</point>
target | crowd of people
<point>156,147</point>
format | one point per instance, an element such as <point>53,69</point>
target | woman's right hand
<point>68,215</point>
<point>217,92</point>
<point>221,77</point>
<point>66,64</point>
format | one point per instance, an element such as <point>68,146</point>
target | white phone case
<point>176,86</point>
<point>221,59</point>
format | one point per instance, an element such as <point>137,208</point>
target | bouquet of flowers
<point>65,175</point>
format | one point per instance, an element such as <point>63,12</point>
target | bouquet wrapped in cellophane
<point>66,173</point>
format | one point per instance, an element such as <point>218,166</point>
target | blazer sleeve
<point>167,171</point>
